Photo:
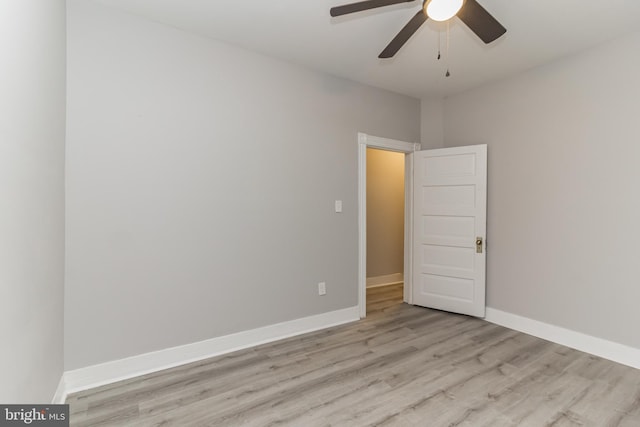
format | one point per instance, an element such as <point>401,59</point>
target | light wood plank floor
<point>401,366</point>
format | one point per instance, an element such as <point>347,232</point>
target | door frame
<point>368,141</point>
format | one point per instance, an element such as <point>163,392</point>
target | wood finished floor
<point>401,366</point>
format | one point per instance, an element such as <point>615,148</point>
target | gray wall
<point>385,212</point>
<point>32,111</point>
<point>431,123</point>
<point>201,181</point>
<point>563,205</point>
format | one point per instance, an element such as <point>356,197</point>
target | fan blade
<point>404,35</point>
<point>480,21</point>
<point>363,5</point>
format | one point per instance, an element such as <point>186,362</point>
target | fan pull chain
<point>439,44</point>
<point>447,74</point>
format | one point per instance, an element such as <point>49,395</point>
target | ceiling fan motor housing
<point>470,12</point>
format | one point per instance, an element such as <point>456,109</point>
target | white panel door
<point>450,204</point>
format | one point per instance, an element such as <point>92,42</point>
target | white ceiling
<point>301,31</point>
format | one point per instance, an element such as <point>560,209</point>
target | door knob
<point>478,245</point>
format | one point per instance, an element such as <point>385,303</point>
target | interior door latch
<point>478,245</point>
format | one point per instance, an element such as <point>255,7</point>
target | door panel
<point>448,230</point>
<point>449,259</point>
<point>445,287</point>
<point>447,198</point>
<point>450,192</point>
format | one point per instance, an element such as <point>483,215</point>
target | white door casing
<point>370,141</point>
<point>450,202</point>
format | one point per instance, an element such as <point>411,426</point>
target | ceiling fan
<point>485,26</point>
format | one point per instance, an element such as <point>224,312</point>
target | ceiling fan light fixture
<point>442,10</point>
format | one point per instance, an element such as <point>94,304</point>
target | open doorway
<point>444,226</point>
<point>405,149</point>
<point>385,228</point>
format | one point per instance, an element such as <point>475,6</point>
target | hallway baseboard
<point>387,279</point>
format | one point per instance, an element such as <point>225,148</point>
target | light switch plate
<point>322,288</point>
<point>338,206</point>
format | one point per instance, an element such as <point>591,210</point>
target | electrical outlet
<point>322,288</point>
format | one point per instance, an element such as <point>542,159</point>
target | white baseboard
<point>387,279</point>
<point>61,394</point>
<point>610,350</point>
<point>118,370</point>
